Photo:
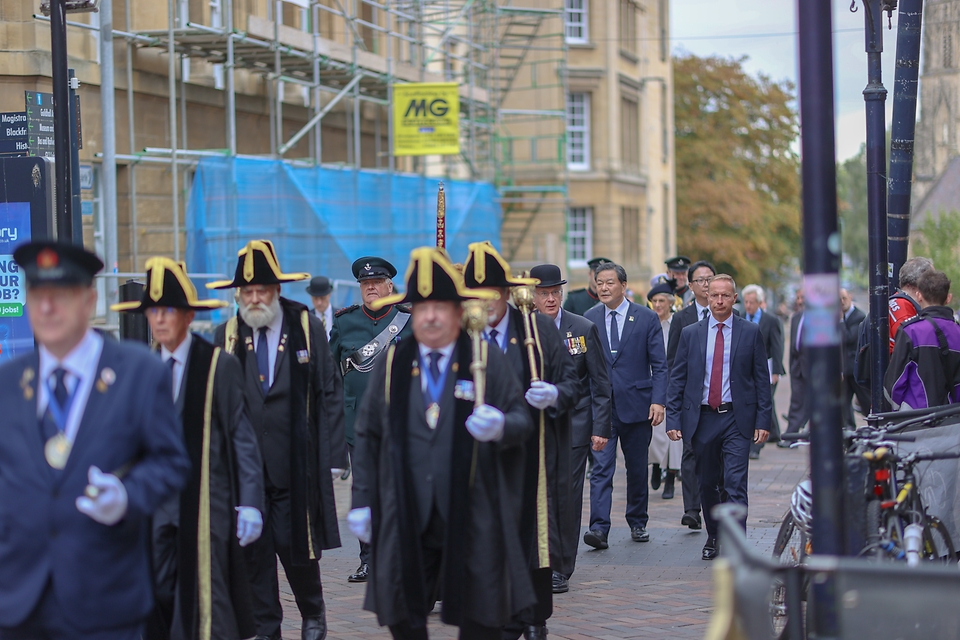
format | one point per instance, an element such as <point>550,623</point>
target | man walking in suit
<point>91,447</point>
<point>295,404</point>
<point>320,291</point>
<point>772,332</point>
<point>799,413</point>
<point>632,342</point>
<point>590,418</point>
<point>720,398</point>
<point>220,509</point>
<point>438,475</point>
<point>850,330</point>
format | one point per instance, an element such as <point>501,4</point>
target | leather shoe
<point>754,455</point>
<point>596,539</point>
<point>314,628</point>
<point>363,572</point>
<point>691,519</point>
<point>668,485</point>
<point>710,550</point>
<point>275,636</point>
<point>655,477</point>
<point>560,584</point>
<point>535,632</point>
<point>639,534</point>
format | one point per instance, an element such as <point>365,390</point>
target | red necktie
<point>715,395</point>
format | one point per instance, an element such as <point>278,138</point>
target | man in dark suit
<point>772,332</point>
<point>91,447</point>
<point>438,474</point>
<point>226,475</point>
<point>850,332</point>
<point>551,392</point>
<point>295,403</point>
<point>799,413</point>
<point>590,418</point>
<point>720,397</point>
<point>699,276</point>
<point>632,342</point>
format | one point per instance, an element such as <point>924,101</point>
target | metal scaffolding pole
<point>108,168</point>
<point>131,133</point>
<point>172,89</point>
<point>231,101</point>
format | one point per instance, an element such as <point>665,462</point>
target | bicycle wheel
<point>789,549</point>
<point>937,545</point>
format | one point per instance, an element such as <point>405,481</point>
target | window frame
<point>585,129</point>
<point>582,238</point>
<point>583,25</point>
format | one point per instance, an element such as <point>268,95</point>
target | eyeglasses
<point>702,281</point>
<point>724,296</point>
<point>549,294</point>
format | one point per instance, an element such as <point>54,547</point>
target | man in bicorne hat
<point>295,404</point>
<point>360,336</point>
<point>436,489</point>
<point>91,447</point>
<point>219,511</point>
<point>580,300</point>
<point>551,394</point>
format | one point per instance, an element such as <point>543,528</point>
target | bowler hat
<point>319,286</point>
<point>548,275</point>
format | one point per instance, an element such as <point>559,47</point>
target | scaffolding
<point>329,56</point>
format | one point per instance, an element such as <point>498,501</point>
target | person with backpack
<point>924,368</point>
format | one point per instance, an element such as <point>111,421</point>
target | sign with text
<point>16,337</point>
<point>426,119</point>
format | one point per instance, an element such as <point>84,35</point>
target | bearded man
<point>295,404</point>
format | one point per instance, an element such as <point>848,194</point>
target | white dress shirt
<point>755,318</point>
<point>711,344</point>
<point>81,367</point>
<point>273,341</point>
<point>179,356</point>
<point>503,328</point>
<point>556,321</point>
<point>701,310</point>
<point>621,317</point>
<point>445,353</point>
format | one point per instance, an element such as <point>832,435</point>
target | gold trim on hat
<point>266,248</point>
<point>156,269</point>
<point>478,252</point>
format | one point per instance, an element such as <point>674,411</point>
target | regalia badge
<point>394,329</point>
<point>630,319</point>
<point>25,380</point>
<point>576,346</point>
<point>369,349</point>
<point>303,356</point>
<point>107,377</point>
<point>463,390</point>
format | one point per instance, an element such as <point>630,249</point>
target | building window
<point>628,27</point>
<point>947,51</point>
<point>630,134</point>
<point>664,36</point>
<point>576,21</point>
<point>630,218</point>
<point>578,131</point>
<point>579,235</point>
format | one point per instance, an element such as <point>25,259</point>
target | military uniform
<point>580,300</point>
<point>359,337</point>
<point>684,294</point>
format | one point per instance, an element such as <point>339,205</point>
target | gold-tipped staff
<point>441,218</point>
<point>475,321</point>
<point>523,298</point>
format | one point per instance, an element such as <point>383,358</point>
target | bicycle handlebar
<point>942,455</point>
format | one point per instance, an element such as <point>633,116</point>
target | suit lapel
<point>703,333</point>
<point>735,331</point>
<point>281,349</point>
<point>604,337</point>
<point>29,386</point>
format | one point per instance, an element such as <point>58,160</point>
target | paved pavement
<point>660,589</point>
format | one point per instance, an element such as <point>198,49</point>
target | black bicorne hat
<point>431,276</point>
<point>257,264</point>
<point>485,267</point>
<point>169,286</point>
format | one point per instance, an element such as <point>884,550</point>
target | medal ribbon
<point>435,386</point>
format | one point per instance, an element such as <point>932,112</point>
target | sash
<point>365,357</point>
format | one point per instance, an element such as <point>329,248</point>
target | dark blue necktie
<point>60,395</point>
<point>435,364</point>
<point>493,338</point>
<point>263,360</point>
<point>614,333</point>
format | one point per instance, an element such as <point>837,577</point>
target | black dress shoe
<point>363,572</point>
<point>754,455</point>
<point>275,636</point>
<point>668,485</point>
<point>691,519</point>
<point>560,584</point>
<point>710,550</point>
<point>639,534</point>
<point>535,632</point>
<point>314,628</point>
<point>596,539</point>
<point>655,477</point>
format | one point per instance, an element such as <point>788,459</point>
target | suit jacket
<point>101,575</point>
<point>591,415</point>
<point>681,320</point>
<point>772,332</point>
<point>799,363</point>
<point>638,372</point>
<point>749,379</point>
<point>851,332</point>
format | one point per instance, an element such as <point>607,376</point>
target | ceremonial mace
<point>441,218</point>
<point>523,298</point>
<point>475,321</point>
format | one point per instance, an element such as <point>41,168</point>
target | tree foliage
<point>939,240</point>
<point>852,210</point>
<point>738,179</point>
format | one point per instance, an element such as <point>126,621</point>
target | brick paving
<point>660,589</point>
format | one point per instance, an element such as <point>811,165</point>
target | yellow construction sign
<point>426,119</point>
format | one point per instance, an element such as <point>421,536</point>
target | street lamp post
<point>63,213</point>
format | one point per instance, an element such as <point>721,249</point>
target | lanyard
<point>435,387</point>
<point>61,413</point>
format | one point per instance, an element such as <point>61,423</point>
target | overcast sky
<point>765,30</point>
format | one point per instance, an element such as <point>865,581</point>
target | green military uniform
<point>579,300</point>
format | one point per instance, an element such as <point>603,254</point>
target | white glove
<point>336,473</point>
<point>541,395</point>
<point>249,525</point>
<point>359,522</point>
<point>485,423</point>
<point>111,503</point>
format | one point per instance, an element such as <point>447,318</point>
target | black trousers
<point>364,547</point>
<point>538,614</point>
<point>799,413</point>
<point>850,389</point>
<point>570,530</point>
<point>723,457</point>
<point>262,568</point>
<point>46,622</point>
<point>689,483</point>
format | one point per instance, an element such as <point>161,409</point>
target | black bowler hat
<point>680,263</point>
<point>593,263</point>
<point>663,287</point>
<point>373,267</point>
<point>485,267</point>
<point>47,262</point>
<point>431,276</point>
<point>257,264</point>
<point>320,286</point>
<point>548,275</point>
<point>169,286</point>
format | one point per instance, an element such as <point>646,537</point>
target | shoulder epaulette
<point>346,310</point>
<point>580,290</point>
<point>405,308</point>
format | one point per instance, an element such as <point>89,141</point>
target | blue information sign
<point>16,338</point>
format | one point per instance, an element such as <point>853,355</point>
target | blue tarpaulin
<point>321,219</point>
